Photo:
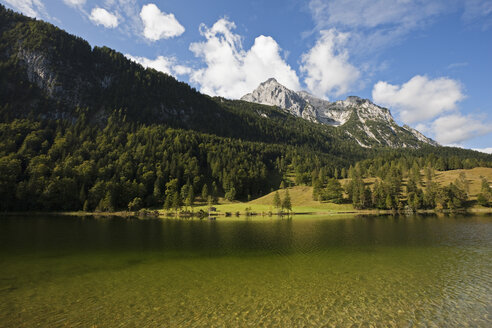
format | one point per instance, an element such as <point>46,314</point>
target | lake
<point>431,271</point>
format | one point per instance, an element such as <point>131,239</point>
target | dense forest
<point>86,128</point>
<point>406,183</point>
<point>59,165</point>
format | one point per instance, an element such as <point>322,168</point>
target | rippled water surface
<point>342,272</point>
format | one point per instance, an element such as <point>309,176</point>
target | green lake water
<point>263,272</point>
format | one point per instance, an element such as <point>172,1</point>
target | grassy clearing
<point>472,175</point>
<point>301,198</point>
<point>444,178</point>
<point>302,201</point>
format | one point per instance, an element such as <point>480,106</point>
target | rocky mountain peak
<point>367,123</point>
<point>270,81</point>
<point>355,99</point>
<point>273,93</point>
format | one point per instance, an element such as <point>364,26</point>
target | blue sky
<point>429,61</point>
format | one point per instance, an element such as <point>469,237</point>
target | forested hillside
<point>85,128</point>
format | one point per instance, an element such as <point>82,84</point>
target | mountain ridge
<point>368,124</point>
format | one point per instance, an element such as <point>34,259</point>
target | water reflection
<point>276,235</point>
<point>389,271</point>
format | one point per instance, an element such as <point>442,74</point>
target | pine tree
<point>429,174</point>
<point>205,192</point>
<point>276,200</point>
<point>136,204</point>
<point>190,198</point>
<point>176,202</point>
<point>317,185</point>
<point>367,198</point>
<point>215,193</point>
<point>286,203</point>
<point>333,191</point>
<point>168,202</point>
<point>485,195</point>
<point>462,183</point>
<point>230,195</point>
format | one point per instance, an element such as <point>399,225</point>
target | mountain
<point>84,127</point>
<point>48,74</point>
<point>366,123</point>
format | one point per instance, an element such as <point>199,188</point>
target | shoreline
<point>170,215</point>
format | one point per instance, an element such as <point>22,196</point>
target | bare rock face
<point>420,136</point>
<point>273,93</point>
<point>367,123</point>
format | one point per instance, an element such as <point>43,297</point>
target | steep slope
<point>46,73</point>
<point>366,123</point>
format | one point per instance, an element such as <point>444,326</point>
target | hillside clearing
<point>302,199</point>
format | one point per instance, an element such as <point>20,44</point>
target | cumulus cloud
<point>103,17</point>
<point>326,66</point>
<point>232,71</point>
<point>420,99</point>
<point>159,25</point>
<point>31,8</point>
<point>75,3</point>
<point>163,64</point>
<point>456,128</point>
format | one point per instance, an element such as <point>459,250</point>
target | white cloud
<point>182,70</point>
<point>326,65</point>
<point>478,12</point>
<point>484,150</point>
<point>375,24</point>
<point>419,99</point>
<point>103,17</point>
<point>159,25</point>
<point>75,3</point>
<point>129,10</point>
<point>163,64</point>
<point>456,128</point>
<point>374,13</point>
<point>457,65</point>
<point>31,8</point>
<point>232,71</point>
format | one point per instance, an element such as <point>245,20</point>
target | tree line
<point>395,189</point>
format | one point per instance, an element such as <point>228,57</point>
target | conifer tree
<point>276,200</point>
<point>190,197</point>
<point>168,202</point>
<point>215,193</point>
<point>205,192</point>
<point>176,201</point>
<point>286,202</point>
